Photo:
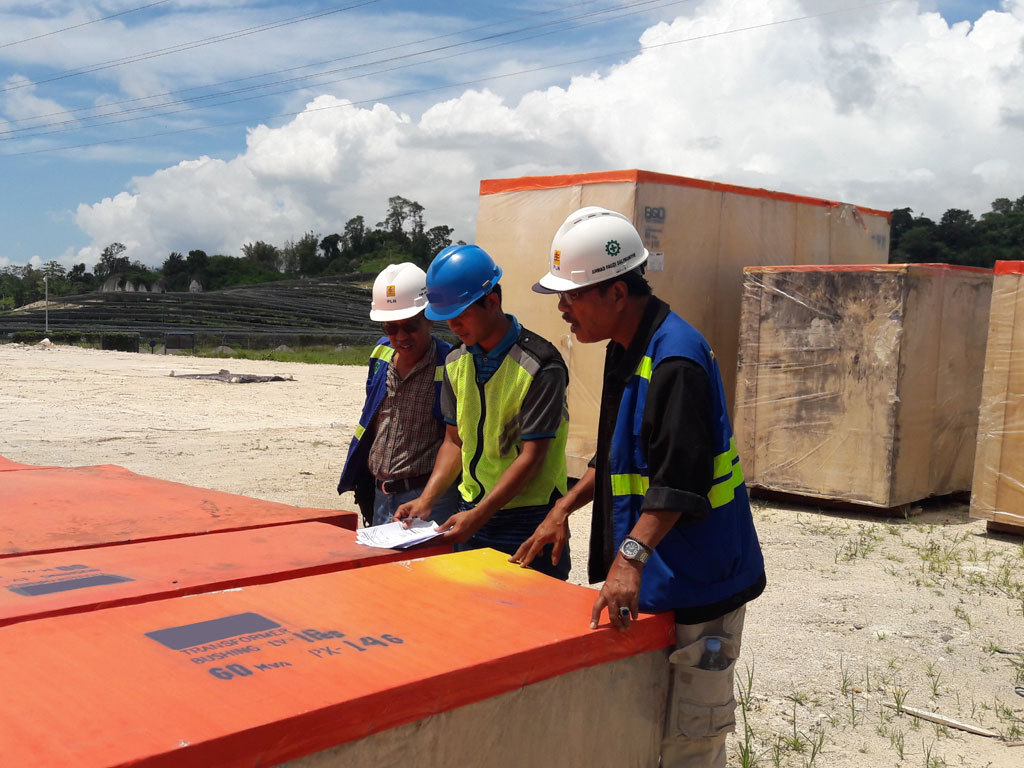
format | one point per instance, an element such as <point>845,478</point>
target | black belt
<point>403,485</point>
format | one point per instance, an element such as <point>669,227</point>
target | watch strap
<point>645,552</point>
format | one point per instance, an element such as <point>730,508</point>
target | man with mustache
<point>672,528</point>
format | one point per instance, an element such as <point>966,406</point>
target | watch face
<point>630,548</point>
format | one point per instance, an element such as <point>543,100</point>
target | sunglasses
<point>409,327</point>
<point>571,296</point>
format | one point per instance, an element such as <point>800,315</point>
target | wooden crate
<point>998,493</point>
<point>861,383</point>
<point>53,509</point>
<point>700,234</point>
<point>428,662</point>
<point>33,587</point>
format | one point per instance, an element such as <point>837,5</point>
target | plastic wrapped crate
<point>998,492</point>
<point>861,383</point>
<point>700,234</point>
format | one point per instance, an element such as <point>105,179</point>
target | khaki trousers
<point>701,705</point>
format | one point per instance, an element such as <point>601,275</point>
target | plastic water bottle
<point>713,658</point>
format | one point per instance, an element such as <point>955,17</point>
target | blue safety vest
<point>700,563</point>
<point>376,390</point>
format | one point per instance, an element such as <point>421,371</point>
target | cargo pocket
<point>702,704</point>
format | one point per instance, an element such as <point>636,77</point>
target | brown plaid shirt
<point>406,433</point>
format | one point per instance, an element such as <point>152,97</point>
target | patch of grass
<point>745,697</point>
<point>896,740</point>
<point>860,546</point>
<point>961,613</point>
<point>899,695</point>
<point>845,681</point>
<point>931,760</point>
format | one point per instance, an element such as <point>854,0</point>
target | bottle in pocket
<point>713,658</point>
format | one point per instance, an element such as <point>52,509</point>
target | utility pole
<point>46,301</point>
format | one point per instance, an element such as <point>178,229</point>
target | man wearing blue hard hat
<point>504,403</point>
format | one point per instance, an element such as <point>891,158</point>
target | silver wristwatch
<point>635,550</point>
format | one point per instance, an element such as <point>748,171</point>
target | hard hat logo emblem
<point>390,293</point>
<point>612,248</point>
<point>556,259</point>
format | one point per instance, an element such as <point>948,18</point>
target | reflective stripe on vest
<point>630,485</point>
<point>728,475</point>
<point>381,352</point>
<point>487,419</point>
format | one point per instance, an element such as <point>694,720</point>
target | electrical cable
<point>448,86</point>
<point>186,46</point>
<point>83,24</point>
<point>35,129</point>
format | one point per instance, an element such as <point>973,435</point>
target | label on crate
<point>265,644</point>
<point>39,582</point>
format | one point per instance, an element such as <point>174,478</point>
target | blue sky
<point>190,124</point>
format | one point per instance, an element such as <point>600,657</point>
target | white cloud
<point>884,107</point>
<point>23,104</point>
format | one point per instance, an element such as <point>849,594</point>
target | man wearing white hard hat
<point>671,528</point>
<point>401,427</point>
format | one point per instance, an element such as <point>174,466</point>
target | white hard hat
<point>399,292</point>
<point>592,245</point>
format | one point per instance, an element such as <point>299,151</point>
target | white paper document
<point>394,536</point>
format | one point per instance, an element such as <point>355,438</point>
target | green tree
<point>425,245</point>
<point>80,281</point>
<point>263,254</point>
<point>399,211</point>
<point>302,257</point>
<point>352,240</point>
<point>329,246</point>
<point>956,229</point>
<point>112,262</point>
<point>175,269</point>
<point>197,265</point>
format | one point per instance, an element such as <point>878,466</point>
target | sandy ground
<point>862,614</point>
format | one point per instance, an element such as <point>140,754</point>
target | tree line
<point>401,236</point>
<point>957,238</point>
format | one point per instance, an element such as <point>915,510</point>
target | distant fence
<point>179,340</point>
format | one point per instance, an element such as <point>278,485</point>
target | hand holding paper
<point>396,535</point>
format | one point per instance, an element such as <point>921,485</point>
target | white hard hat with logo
<point>592,245</point>
<point>399,292</point>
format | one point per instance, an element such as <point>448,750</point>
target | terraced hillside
<point>325,309</point>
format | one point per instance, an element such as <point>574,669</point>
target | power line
<point>73,123</point>
<point>83,24</point>
<point>307,66</point>
<point>186,46</point>
<point>449,86</point>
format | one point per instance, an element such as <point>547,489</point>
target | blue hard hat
<point>458,276</point>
